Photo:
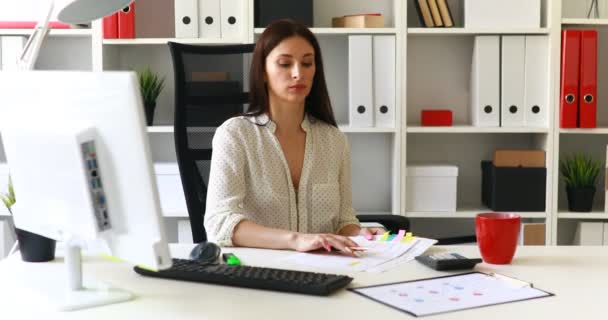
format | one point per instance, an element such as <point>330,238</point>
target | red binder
<point>569,98</point>
<point>126,22</point>
<point>110,26</point>
<point>587,108</point>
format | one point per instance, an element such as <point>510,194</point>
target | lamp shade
<point>83,11</point>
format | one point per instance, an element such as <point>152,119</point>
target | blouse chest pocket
<point>325,207</point>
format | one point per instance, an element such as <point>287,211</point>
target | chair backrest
<point>209,89</point>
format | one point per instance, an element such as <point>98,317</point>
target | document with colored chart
<point>451,293</point>
<point>381,253</point>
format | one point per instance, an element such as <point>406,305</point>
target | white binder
<point>11,49</point>
<point>232,16</point>
<point>589,234</point>
<point>536,80</point>
<point>606,233</point>
<point>209,16</point>
<point>384,80</point>
<point>485,82</point>
<point>512,81</point>
<point>360,101</point>
<point>7,238</point>
<point>186,18</point>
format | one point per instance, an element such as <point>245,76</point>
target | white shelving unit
<point>592,142</point>
<point>475,31</point>
<point>473,129</point>
<point>437,72</point>
<point>432,70</point>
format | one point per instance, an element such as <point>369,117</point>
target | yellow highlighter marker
<point>385,236</point>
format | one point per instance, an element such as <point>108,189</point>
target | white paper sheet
<point>451,293</point>
<point>375,259</point>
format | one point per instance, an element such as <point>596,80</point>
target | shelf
<point>163,41</point>
<point>169,129</point>
<point>349,129</point>
<point>595,215</point>
<point>175,213</point>
<point>4,212</point>
<point>474,129</point>
<point>584,131</point>
<point>584,21</point>
<point>474,31</point>
<point>320,31</point>
<point>53,32</point>
<point>343,128</point>
<point>468,213</point>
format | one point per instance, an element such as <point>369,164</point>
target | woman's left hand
<point>369,233</point>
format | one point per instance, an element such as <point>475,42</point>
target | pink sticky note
<point>399,236</point>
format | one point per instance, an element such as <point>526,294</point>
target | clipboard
<point>450,293</point>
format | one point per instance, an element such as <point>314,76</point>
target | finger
<point>367,233</point>
<point>326,245</point>
<point>345,240</point>
<point>321,243</point>
<point>378,231</point>
<point>340,245</point>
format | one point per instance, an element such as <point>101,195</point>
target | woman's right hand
<point>308,242</point>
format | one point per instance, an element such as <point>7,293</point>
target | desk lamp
<point>71,11</point>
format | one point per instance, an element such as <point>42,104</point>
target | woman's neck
<point>288,117</point>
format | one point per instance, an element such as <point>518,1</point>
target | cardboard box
<point>532,234</point>
<point>431,188</point>
<point>358,21</point>
<point>519,158</point>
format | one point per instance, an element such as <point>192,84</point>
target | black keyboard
<point>321,284</point>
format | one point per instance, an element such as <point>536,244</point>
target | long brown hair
<point>317,103</point>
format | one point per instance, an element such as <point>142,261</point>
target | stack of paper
<point>381,255</point>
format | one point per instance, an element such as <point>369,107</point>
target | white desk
<point>577,275</point>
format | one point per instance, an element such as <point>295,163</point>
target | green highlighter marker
<point>231,259</point>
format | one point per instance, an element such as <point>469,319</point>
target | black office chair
<point>208,103</point>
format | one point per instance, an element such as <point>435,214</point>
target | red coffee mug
<point>497,235</point>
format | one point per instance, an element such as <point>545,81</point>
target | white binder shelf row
<point>509,79</point>
<point>371,81</point>
<point>210,18</point>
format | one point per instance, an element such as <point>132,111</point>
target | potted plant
<point>580,174</point>
<point>150,85</point>
<point>33,247</point>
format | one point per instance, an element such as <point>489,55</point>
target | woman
<point>280,174</point>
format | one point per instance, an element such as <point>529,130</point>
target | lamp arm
<point>29,55</point>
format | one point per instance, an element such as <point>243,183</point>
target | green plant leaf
<point>150,85</point>
<point>580,171</point>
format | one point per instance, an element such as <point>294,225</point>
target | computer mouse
<point>205,252</point>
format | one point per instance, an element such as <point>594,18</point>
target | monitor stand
<point>72,294</point>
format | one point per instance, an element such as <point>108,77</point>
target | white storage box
<point>431,188</point>
<point>171,192</point>
<point>502,14</point>
<point>3,187</point>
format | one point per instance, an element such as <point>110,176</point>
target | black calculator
<point>447,261</point>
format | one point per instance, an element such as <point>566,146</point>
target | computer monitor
<point>77,148</point>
